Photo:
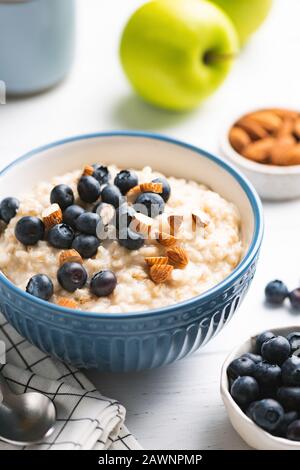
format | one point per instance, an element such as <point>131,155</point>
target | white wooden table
<point>179,406</point>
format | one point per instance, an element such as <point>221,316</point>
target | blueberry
<point>61,236</point>
<point>153,204</point>
<point>71,214</point>
<point>88,189</point>
<point>29,230</point>
<point>249,410</point>
<point>275,292</point>
<point>254,357</point>
<point>289,397</point>
<point>62,195</point>
<point>40,286</point>
<point>291,371</point>
<point>294,340</point>
<point>112,195</point>
<point>130,239</point>
<point>267,375</point>
<point>101,174</point>
<point>293,431</point>
<point>240,366</point>
<point>276,350</point>
<point>87,223</point>
<point>124,216</point>
<point>8,208</point>
<point>125,180</point>
<point>103,283</point>
<point>294,298</point>
<point>86,245</point>
<point>268,414</point>
<point>72,276</point>
<point>287,419</point>
<point>166,188</point>
<point>260,339</point>
<point>244,390</point>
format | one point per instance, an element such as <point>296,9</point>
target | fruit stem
<point>211,57</point>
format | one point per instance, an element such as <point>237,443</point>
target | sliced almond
<point>178,257</point>
<point>70,256</point>
<point>161,273</point>
<point>165,239</point>
<point>268,120</point>
<point>281,148</point>
<point>141,223</point>
<point>151,188</point>
<point>175,221</point>
<point>67,303</point>
<point>135,191</point>
<point>156,260</point>
<point>199,220</point>
<point>88,170</point>
<point>253,129</point>
<point>52,216</point>
<point>239,138</point>
<point>260,151</point>
<point>292,157</point>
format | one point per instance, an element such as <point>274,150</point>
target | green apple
<point>246,15</point>
<point>175,53</point>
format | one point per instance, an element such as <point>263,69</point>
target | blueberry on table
<point>254,357</point>
<point>275,292</point>
<point>293,431</point>
<point>130,239</point>
<point>8,208</point>
<point>260,339</point>
<point>62,195</point>
<point>103,283</point>
<point>124,216</point>
<point>287,419</point>
<point>244,390</point>
<point>87,223</point>
<point>112,195</point>
<point>150,204</point>
<point>268,414</point>
<point>294,298</point>
<point>290,371</point>
<point>289,397</point>
<point>166,188</point>
<point>101,174</point>
<point>40,286</point>
<point>72,276</point>
<point>276,350</point>
<point>61,236</point>
<point>125,180</point>
<point>89,189</point>
<point>267,375</point>
<point>71,214</point>
<point>240,366</point>
<point>29,230</point>
<point>86,245</point>
<point>294,340</point>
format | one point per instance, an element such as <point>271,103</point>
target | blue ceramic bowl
<point>140,340</point>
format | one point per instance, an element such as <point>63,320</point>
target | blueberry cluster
<point>266,384</point>
<point>276,292</point>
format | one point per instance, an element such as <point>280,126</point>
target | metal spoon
<point>24,419</point>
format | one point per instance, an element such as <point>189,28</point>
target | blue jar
<point>36,43</point>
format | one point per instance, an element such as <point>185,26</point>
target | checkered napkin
<point>85,419</point>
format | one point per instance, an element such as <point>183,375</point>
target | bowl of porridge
<point>124,251</point>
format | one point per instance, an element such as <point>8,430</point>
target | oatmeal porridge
<point>62,243</point>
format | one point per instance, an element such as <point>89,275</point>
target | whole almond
<point>292,157</point>
<point>268,120</point>
<point>238,138</point>
<point>52,216</point>
<point>156,260</point>
<point>151,188</point>
<point>70,256</point>
<point>141,223</point>
<point>253,129</point>
<point>161,273</point>
<point>259,151</point>
<point>281,148</point>
<point>67,303</point>
<point>178,257</point>
<point>199,220</point>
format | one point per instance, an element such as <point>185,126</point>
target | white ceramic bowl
<point>276,183</point>
<point>253,435</point>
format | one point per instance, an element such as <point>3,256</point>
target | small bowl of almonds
<point>265,146</point>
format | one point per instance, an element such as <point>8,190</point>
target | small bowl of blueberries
<point>260,387</point>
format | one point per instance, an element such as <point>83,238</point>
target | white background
<point>179,406</point>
